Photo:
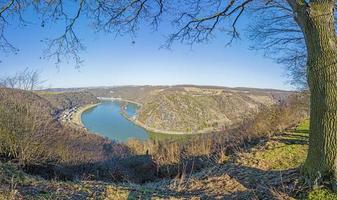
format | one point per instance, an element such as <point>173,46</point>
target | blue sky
<point>110,61</point>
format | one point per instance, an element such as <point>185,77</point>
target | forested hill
<point>141,94</point>
<point>65,100</point>
<point>189,108</point>
<point>193,109</point>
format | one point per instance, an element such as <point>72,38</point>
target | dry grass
<point>205,166</point>
<point>232,180</point>
<point>32,138</point>
<point>215,148</point>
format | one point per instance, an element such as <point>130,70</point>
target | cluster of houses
<point>67,115</point>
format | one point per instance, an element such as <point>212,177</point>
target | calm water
<point>105,119</point>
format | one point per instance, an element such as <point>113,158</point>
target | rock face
<point>191,109</point>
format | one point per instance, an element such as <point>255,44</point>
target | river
<point>107,120</point>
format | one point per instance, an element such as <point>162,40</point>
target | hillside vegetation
<point>268,170</point>
<point>32,137</point>
<point>65,100</point>
<point>191,110</point>
<point>260,159</point>
<point>138,94</point>
<point>141,94</point>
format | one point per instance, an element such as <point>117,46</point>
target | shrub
<point>215,146</point>
<point>287,113</point>
<point>23,128</point>
<point>31,136</point>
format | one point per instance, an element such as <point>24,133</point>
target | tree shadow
<point>292,138</point>
<point>262,183</point>
<point>134,168</point>
<point>258,184</point>
<point>142,169</point>
<point>291,141</point>
<point>301,131</point>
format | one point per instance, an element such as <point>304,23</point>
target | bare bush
<point>277,118</point>
<point>23,128</point>
<point>30,134</point>
<point>25,80</point>
<point>214,147</point>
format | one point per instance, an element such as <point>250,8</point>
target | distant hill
<point>138,94</point>
<point>141,93</point>
<point>65,100</point>
<point>191,109</point>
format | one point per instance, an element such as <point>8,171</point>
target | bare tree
<point>276,33</point>
<point>25,80</point>
<point>299,33</point>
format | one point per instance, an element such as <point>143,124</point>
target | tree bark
<point>317,23</point>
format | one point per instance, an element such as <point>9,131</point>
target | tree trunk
<point>319,30</point>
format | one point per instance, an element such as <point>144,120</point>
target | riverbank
<point>77,115</point>
<point>76,120</point>
<point>140,124</point>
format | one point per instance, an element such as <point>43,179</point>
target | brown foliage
<point>30,134</point>
<point>66,100</point>
<point>277,118</point>
<point>24,122</point>
<point>211,148</point>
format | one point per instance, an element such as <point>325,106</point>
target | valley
<point>114,100</point>
<point>165,111</point>
<point>127,153</point>
<point>191,109</point>
<point>106,119</point>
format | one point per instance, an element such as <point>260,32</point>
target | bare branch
<point>195,27</point>
<point>25,80</point>
<point>6,6</point>
<point>67,45</point>
<point>273,29</point>
<point>280,38</point>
